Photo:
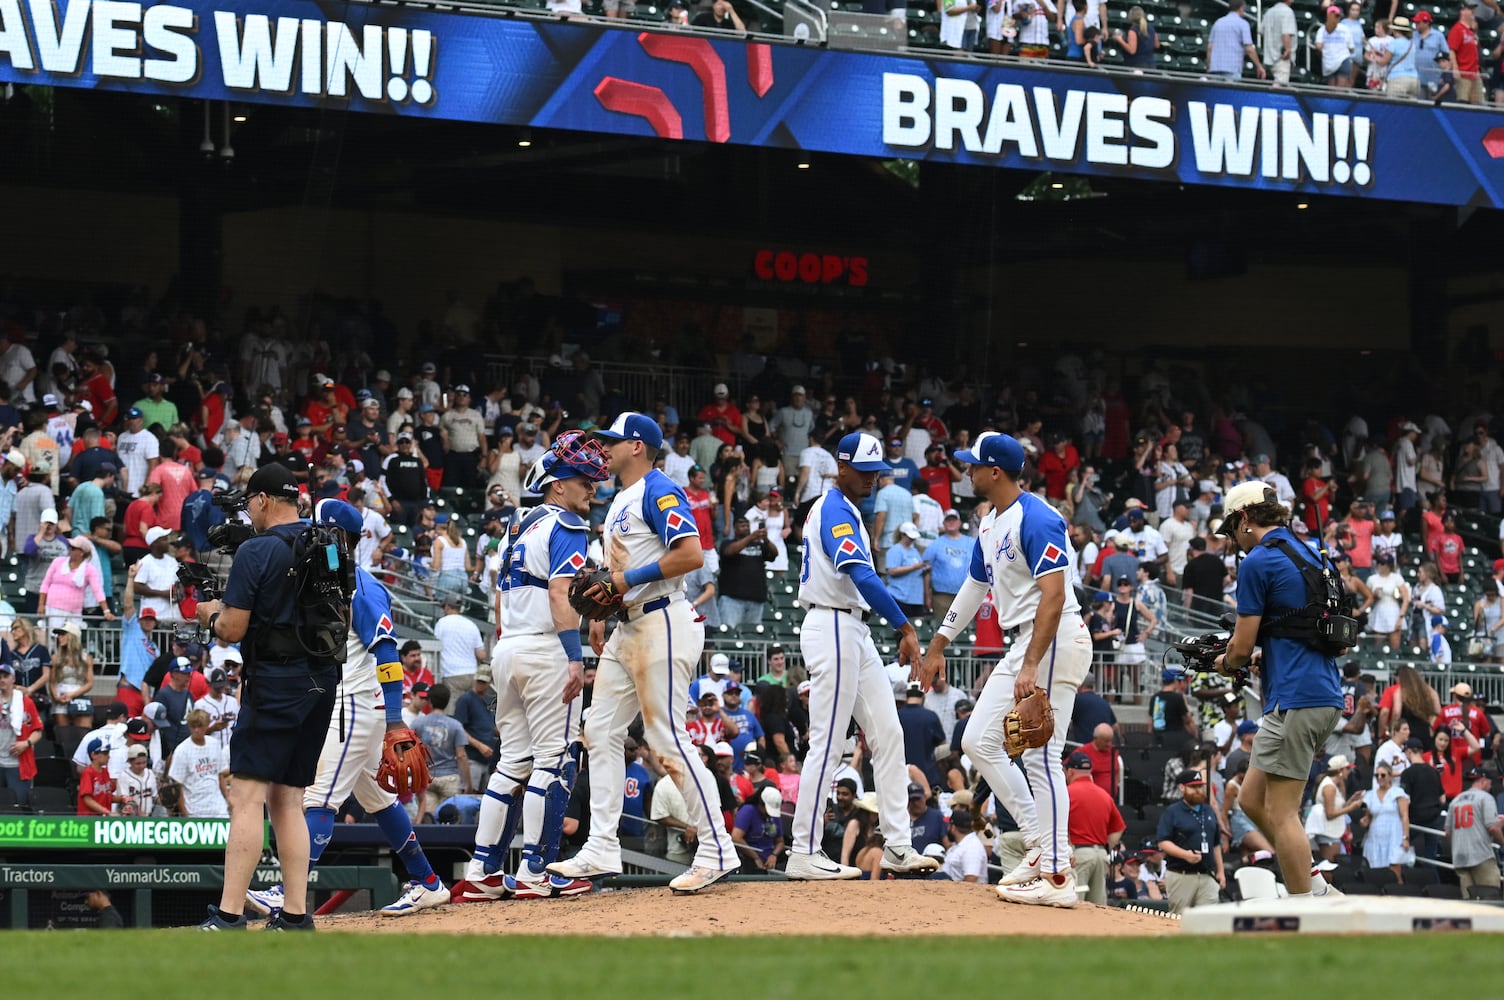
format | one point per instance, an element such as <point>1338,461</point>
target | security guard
<point>1189,836</point>
<point>1302,690</point>
<point>288,702</point>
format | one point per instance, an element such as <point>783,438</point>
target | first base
<point>1344,915</point>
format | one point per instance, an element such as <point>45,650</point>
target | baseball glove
<point>1029,725</point>
<point>404,763</point>
<point>593,596</point>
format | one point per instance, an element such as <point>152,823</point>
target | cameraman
<point>1301,687</point>
<point>288,701</point>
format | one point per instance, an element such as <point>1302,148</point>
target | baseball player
<point>368,706</point>
<point>651,543</point>
<point>539,672</point>
<point>839,589</point>
<point>1023,556</point>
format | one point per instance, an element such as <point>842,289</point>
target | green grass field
<point>342,966</point>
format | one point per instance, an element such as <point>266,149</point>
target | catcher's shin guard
<point>495,855</point>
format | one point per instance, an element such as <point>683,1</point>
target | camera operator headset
<point>288,700</point>
<point>1291,604</point>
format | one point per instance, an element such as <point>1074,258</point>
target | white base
<point>1343,915</point>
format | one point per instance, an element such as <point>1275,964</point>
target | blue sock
<point>394,822</point>
<point>320,829</point>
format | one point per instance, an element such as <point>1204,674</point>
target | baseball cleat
<point>1027,870</point>
<point>529,886</point>
<point>415,897</point>
<point>217,921</point>
<point>484,890</point>
<point>697,878</point>
<point>264,901</point>
<point>1041,891</point>
<point>817,866</point>
<point>906,859</point>
<point>579,867</point>
<point>279,922</point>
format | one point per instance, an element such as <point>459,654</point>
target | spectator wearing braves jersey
<point>1474,832</point>
<point>650,543</point>
<point>634,799</point>
<point>1023,557</point>
<point>709,725</point>
<point>839,589</point>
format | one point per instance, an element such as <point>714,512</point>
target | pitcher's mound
<point>857,908</point>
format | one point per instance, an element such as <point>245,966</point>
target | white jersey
<point>197,769</point>
<point>834,537</point>
<point>1015,547</point>
<point>370,624</point>
<point>1148,543</point>
<point>139,790</point>
<point>218,708</point>
<point>544,543</point>
<point>645,519</point>
<point>135,450</point>
<point>373,530</point>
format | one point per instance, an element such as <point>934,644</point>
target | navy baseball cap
<point>98,745</point>
<point>134,413</point>
<point>630,426</point>
<point>338,514</point>
<point>916,791</point>
<point>1001,451</point>
<point>1078,761</point>
<point>862,452</point>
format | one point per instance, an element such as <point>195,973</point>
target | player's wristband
<point>643,574</point>
<point>570,640</point>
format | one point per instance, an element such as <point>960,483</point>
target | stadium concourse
<point>114,456</point>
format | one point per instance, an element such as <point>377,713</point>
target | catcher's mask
<point>573,454</point>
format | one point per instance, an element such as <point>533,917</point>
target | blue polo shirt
<point>950,557</point>
<point>1193,828</point>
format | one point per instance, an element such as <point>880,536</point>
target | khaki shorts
<point>1288,740</point>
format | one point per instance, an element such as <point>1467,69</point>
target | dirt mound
<point>905,907</point>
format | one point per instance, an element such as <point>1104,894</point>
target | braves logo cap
<point>862,452</point>
<point>1001,451</point>
<point>338,514</point>
<point>630,426</point>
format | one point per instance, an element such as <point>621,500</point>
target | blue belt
<point>648,607</point>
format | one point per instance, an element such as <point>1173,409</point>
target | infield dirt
<point>901,907</point>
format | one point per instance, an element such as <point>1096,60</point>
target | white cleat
<point>1027,870</point>
<point>581,867</point>
<point>415,897</point>
<point>1041,891</point>
<point>697,878</point>
<point>816,867</point>
<point>905,860</point>
<point>265,901</point>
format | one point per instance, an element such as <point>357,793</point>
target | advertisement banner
<point>114,832</point>
<point>682,85</point>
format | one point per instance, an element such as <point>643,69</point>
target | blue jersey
<point>1293,674</point>
<point>634,798</point>
<point>949,558</point>
<point>137,651</point>
<point>371,651</point>
<point>748,732</point>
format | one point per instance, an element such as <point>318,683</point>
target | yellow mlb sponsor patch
<point>664,503</point>
<point>842,530</point>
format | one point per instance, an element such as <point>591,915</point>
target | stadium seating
<point>52,800</point>
<point>8,801</point>
<point>1442,890</point>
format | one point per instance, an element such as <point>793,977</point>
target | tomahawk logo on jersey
<point>1031,528</point>
<point>646,519</point>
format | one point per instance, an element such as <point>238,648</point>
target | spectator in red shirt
<point>1446,548</point>
<point>1462,39</point>
<point>1095,827</point>
<point>701,507</point>
<point>23,723</point>
<point>939,472</point>
<point>1056,465</point>
<point>212,412</point>
<point>1360,526</point>
<point>722,415</point>
<point>97,390</point>
<point>96,789</point>
<point>325,410</point>
<point>1106,762</point>
<point>1316,497</point>
<point>710,725</point>
<point>177,481</point>
<point>1456,749</point>
<point>1464,711</point>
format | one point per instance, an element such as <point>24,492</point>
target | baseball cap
<point>908,530</point>
<point>273,479</point>
<point>751,757</point>
<point>916,791</point>
<point>952,513</point>
<point>1244,494</point>
<point>207,473</point>
<point>136,729</point>
<point>6,668</point>
<point>1120,581</point>
<point>894,442</point>
<point>798,390</point>
<point>98,745</point>
<point>913,689</point>
<point>631,426</point>
<point>934,851</point>
<point>428,368</point>
<point>1189,777</point>
<point>404,393</point>
<point>49,516</point>
<point>1415,743</point>
<point>1388,515</point>
<point>155,533</point>
<point>772,800</point>
<point>1247,726</point>
<point>1171,674</point>
<point>134,413</point>
<point>338,514</point>
<point>1409,426</point>
<point>723,749</point>
<point>1078,761</point>
<point>182,665</point>
<point>862,452</point>
<point>1438,620</point>
<point>1422,15</point>
<point>803,688</point>
<point>136,751</point>
<point>1207,486</point>
<point>156,713</point>
<point>1338,762</point>
<point>1462,689</point>
<point>73,629</point>
<point>721,391</point>
<point>1001,451</point>
<point>720,663</point>
<point>1475,772</point>
<point>382,375</point>
<point>217,675</point>
<point>49,400</point>
<point>1101,596</point>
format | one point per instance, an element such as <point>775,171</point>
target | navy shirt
<point>922,733</point>
<point>479,721</point>
<point>1293,674</point>
<point>634,798</point>
<point>1090,712</point>
<point>927,829</point>
<point>199,515</point>
<point>258,579</point>
<point>1192,828</point>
